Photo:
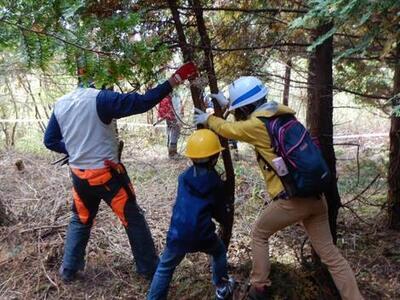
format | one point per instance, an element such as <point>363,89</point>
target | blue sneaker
<point>225,291</point>
<point>67,275</point>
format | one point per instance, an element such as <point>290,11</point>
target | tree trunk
<point>286,88</point>
<point>24,82</point>
<point>320,123</point>
<point>394,153</point>
<point>226,227</point>
<point>320,114</point>
<point>13,99</point>
<point>187,52</point>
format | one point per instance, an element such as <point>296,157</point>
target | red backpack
<point>165,109</point>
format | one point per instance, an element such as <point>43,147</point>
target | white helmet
<point>246,90</point>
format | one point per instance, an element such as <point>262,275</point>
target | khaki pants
<point>313,214</point>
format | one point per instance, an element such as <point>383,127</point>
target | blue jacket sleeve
<point>219,212</point>
<point>53,138</point>
<point>113,105</point>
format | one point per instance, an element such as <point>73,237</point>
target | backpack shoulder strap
<point>267,164</point>
<point>267,124</point>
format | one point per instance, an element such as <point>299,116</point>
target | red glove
<point>186,71</point>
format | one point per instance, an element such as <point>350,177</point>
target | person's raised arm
<point>246,131</point>
<point>113,105</point>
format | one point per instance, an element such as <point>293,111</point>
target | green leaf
<point>396,111</point>
<point>360,47</point>
<point>297,23</point>
<point>73,9</point>
<point>364,19</point>
<point>322,39</point>
<point>348,8</point>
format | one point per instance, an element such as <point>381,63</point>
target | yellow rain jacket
<point>253,131</point>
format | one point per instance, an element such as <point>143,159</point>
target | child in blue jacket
<point>200,191</point>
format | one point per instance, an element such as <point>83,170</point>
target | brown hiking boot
<point>172,151</point>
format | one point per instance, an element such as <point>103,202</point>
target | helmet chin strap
<point>207,162</point>
<point>242,113</point>
<point>260,102</point>
<point>226,114</point>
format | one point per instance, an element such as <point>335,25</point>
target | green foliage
<point>31,143</point>
<point>322,38</point>
<point>361,46</point>
<point>366,77</point>
<point>362,18</point>
<point>251,32</point>
<point>396,111</point>
<point>106,38</point>
<point>361,29</point>
<point>373,162</point>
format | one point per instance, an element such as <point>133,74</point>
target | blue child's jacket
<point>200,190</point>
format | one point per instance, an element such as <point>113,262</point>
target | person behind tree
<point>167,111</point>
<point>248,102</point>
<point>82,126</point>
<point>199,197</point>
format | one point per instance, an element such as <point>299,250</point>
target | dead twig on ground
<point>42,264</point>
<point>363,191</point>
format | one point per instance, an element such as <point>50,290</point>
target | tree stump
<point>20,165</point>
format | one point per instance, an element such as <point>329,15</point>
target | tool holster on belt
<point>118,170</point>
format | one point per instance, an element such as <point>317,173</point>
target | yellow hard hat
<point>203,143</point>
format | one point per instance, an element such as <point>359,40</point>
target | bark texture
<point>320,123</point>
<point>394,153</point>
<point>320,113</point>
<point>286,88</point>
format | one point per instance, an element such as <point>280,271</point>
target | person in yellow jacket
<point>248,102</point>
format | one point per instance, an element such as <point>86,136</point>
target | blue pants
<point>173,133</point>
<point>90,186</point>
<point>170,260</point>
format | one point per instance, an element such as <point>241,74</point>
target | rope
<point>200,82</point>
<point>184,125</point>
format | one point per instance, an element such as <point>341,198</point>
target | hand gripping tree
<point>227,222</point>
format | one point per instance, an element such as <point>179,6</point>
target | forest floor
<point>38,199</point>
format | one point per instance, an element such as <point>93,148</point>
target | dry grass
<point>39,199</point>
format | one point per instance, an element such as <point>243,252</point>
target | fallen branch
<point>356,215</point>
<point>43,267</point>
<point>363,191</point>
